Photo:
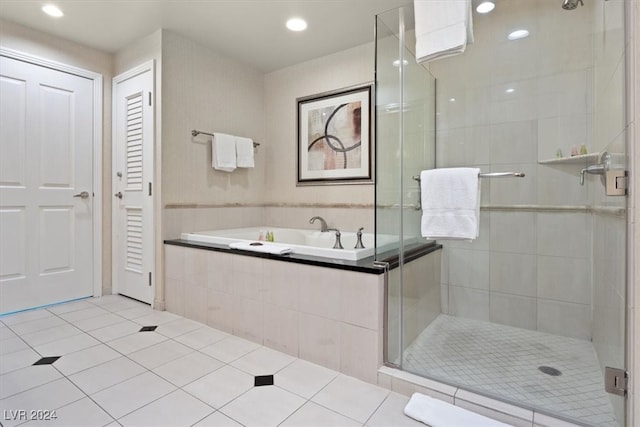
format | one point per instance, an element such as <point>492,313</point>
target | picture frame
<point>334,143</point>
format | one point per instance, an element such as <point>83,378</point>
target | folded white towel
<point>450,200</point>
<point>223,152</point>
<point>244,152</point>
<point>443,28</point>
<point>437,413</point>
<point>269,248</point>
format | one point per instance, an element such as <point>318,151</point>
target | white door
<point>133,130</point>
<point>46,188</point>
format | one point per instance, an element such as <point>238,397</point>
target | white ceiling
<point>251,31</point>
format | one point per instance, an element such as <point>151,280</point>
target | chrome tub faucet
<point>323,224</point>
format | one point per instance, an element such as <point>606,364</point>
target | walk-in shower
<point>533,311</point>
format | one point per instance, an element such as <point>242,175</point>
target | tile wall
<point>531,266</point>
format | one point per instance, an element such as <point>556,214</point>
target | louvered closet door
<point>133,233</point>
<point>46,188</point>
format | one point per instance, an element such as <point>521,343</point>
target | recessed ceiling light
<point>452,100</point>
<point>485,7</point>
<point>297,24</point>
<point>518,34</point>
<point>52,10</point>
<point>510,90</point>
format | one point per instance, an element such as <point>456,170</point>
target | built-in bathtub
<point>319,308</point>
<point>302,242</point>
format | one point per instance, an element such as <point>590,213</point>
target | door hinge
<point>149,278</point>
<point>149,188</point>
<point>617,182</point>
<point>616,381</point>
<point>149,99</point>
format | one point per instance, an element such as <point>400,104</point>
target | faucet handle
<point>359,244</point>
<point>338,244</point>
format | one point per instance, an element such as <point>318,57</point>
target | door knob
<point>82,195</point>
<point>118,195</point>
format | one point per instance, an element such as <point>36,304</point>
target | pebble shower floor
<point>504,362</point>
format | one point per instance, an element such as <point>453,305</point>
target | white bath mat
<point>437,413</point>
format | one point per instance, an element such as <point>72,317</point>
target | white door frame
<point>140,69</point>
<point>97,149</point>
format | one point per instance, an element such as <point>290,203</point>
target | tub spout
<point>338,244</point>
<point>323,224</point>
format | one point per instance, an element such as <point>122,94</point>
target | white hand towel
<point>450,200</point>
<point>244,152</point>
<point>269,248</point>
<point>438,413</point>
<point>443,28</point>
<point>223,152</point>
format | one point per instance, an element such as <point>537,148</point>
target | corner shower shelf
<point>574,160</point>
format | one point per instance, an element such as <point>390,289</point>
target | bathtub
<point>302,242</point>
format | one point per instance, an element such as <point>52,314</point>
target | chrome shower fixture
<point>571,4</point>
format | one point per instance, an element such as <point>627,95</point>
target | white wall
<point>346,207</point>
<point>204,90</point>
<point>26,40</point>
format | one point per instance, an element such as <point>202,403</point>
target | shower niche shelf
<point>574,160</point>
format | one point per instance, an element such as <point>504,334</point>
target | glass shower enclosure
<point>405,135</point>
<point>532,312</point>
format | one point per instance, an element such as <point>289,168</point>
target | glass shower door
<point>405,124</point>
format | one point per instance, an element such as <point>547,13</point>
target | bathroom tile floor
<point>503,361</point>
<point>121,363</point>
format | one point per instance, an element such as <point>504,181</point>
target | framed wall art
<point>334,137</point>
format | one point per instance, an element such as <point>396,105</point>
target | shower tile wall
<point>504,106</point>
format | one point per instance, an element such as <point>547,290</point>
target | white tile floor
<point>503,361</point>
<point>183,373</point>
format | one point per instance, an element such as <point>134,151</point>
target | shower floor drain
<point>549,371</point>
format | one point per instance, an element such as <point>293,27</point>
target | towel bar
<point>490,175</point>
<point>480,175</point>
<point>198,132</point>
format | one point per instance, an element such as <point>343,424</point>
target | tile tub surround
<point>98,380</point>
<point>327,313</point>
<point>326,316</point>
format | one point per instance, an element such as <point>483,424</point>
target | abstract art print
<point>334,137</point>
